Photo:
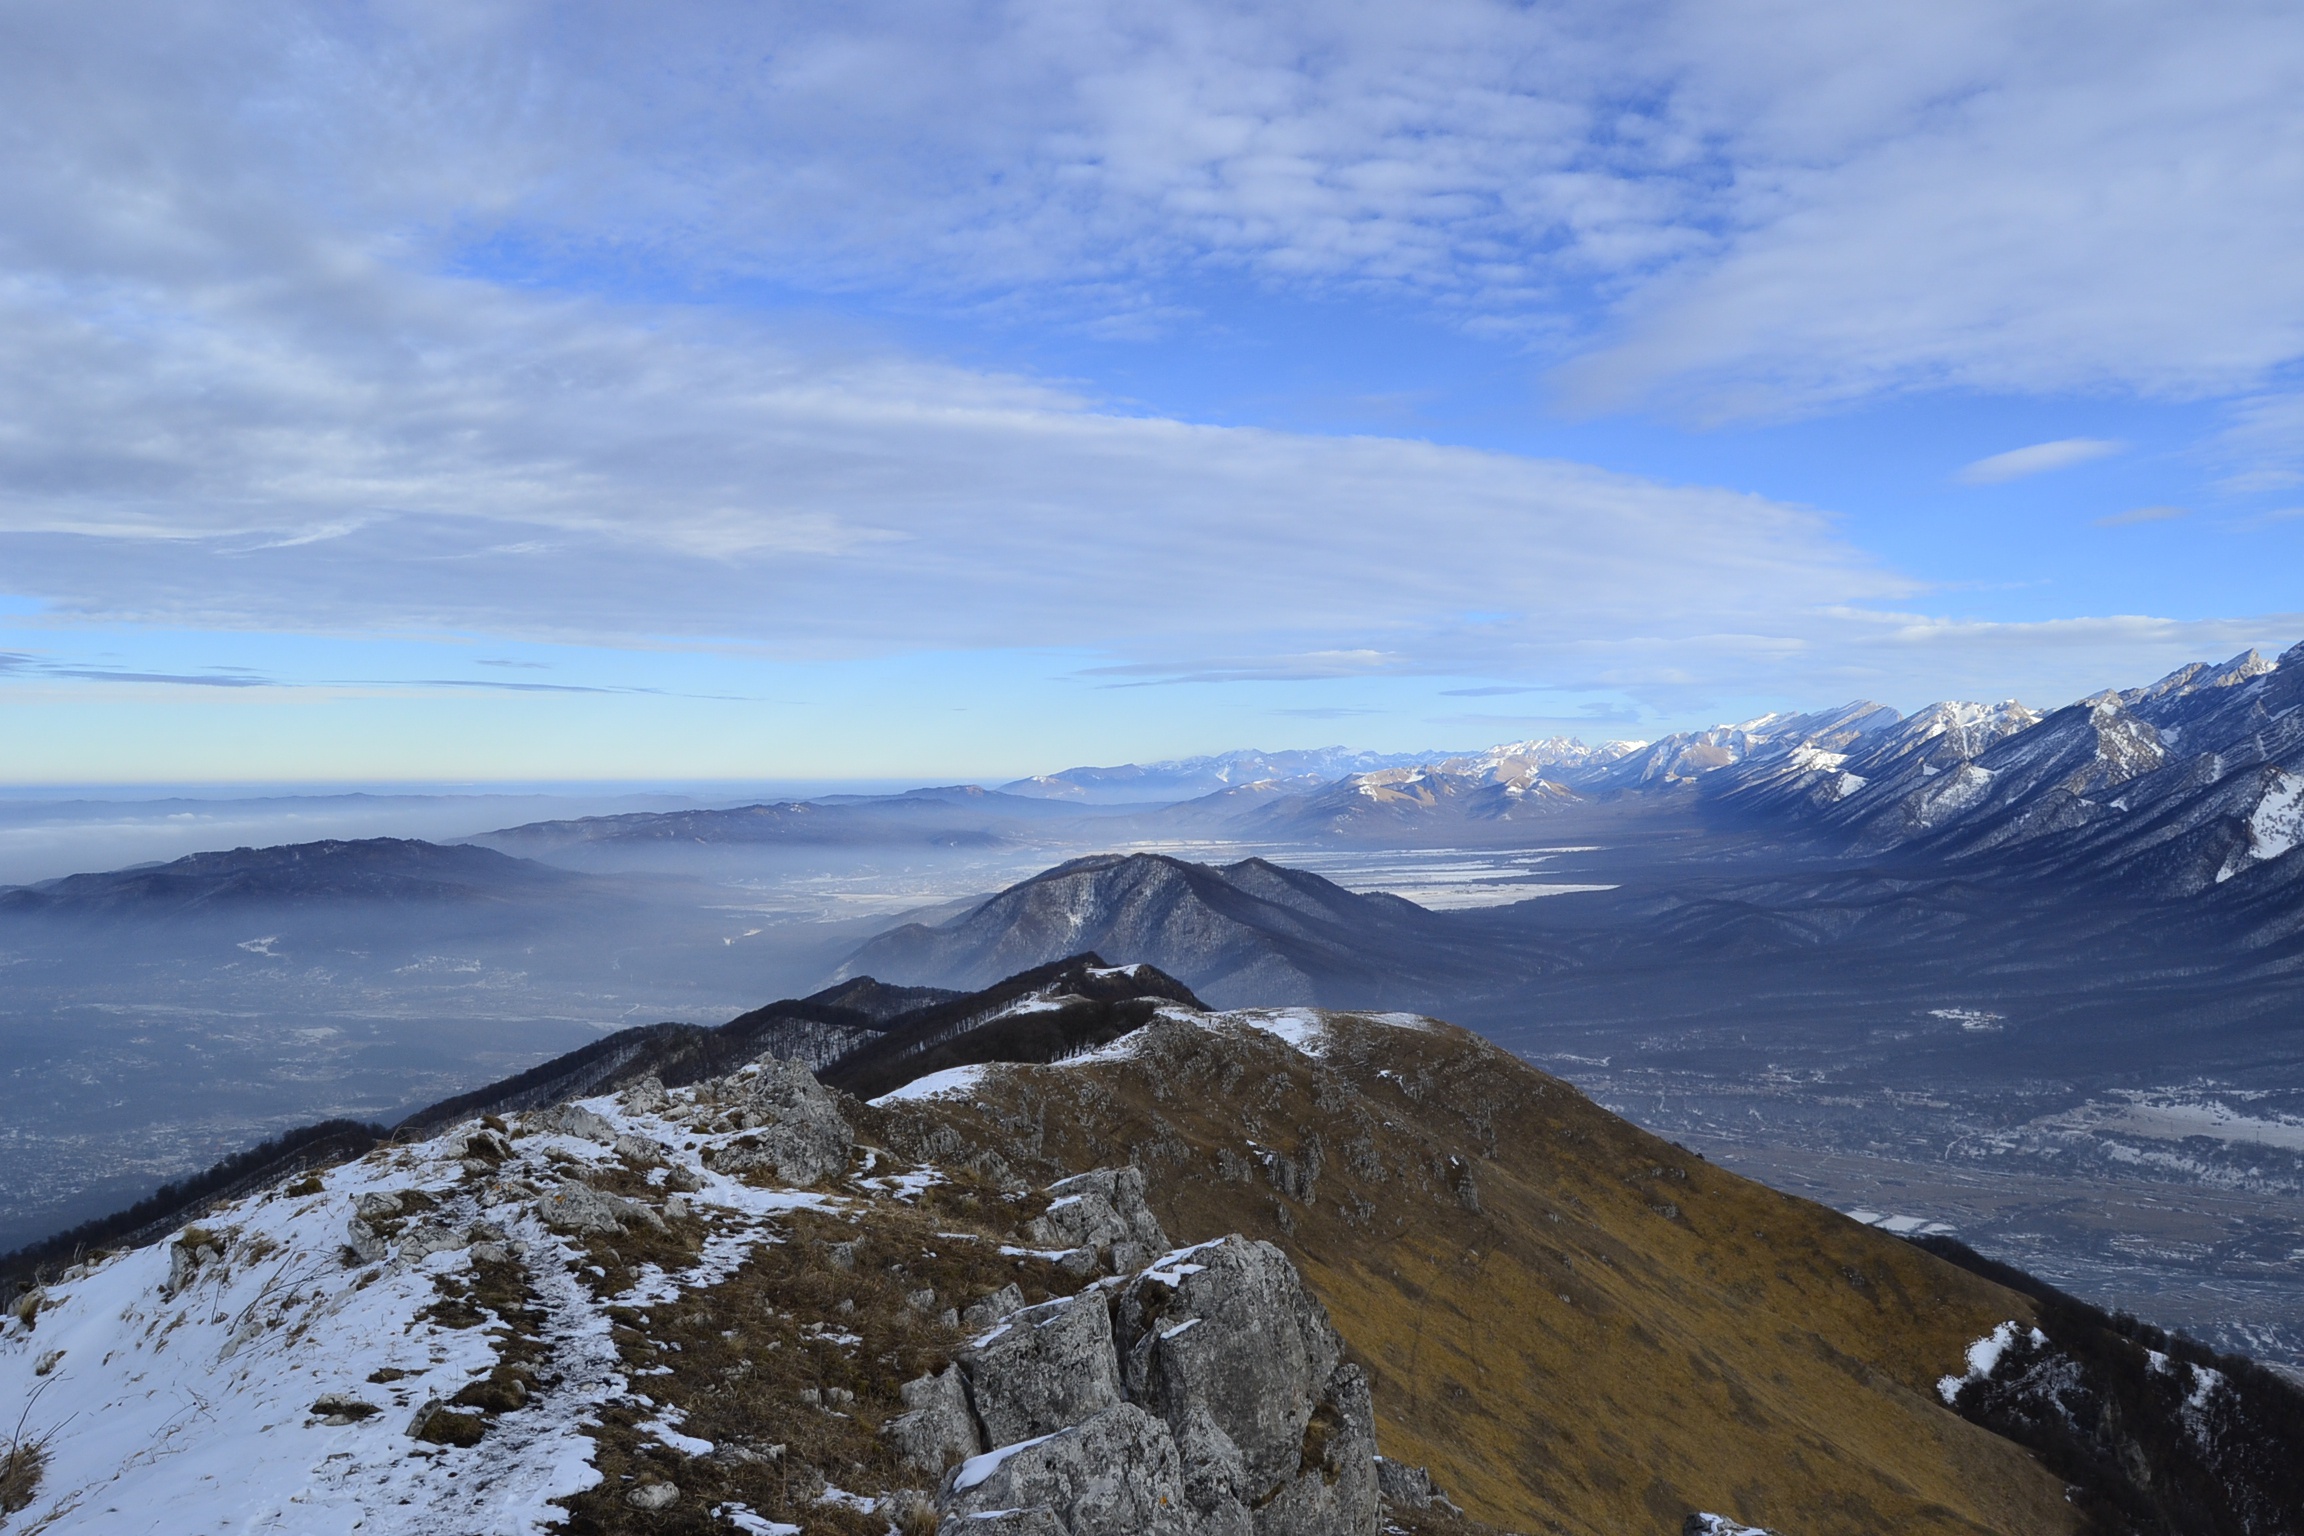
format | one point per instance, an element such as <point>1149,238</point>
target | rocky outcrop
<point>938,1429</point>
<point>1207,1395</point>
<point>1117,1474</point>
<point>1229,1329</point>
<point>1103,1210</point>
<point>798,1134</point>
<point>1043,1369</point>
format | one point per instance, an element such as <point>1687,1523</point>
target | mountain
<point>1689,755</point>
<point>1262,1273</point>
<point>1191,777</point>
<point>1397,804</point>
<point>376,869</point>
<point>952,816</point>
<point>1250,931</point>
<point>2165,790</point>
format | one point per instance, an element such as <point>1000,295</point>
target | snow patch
<point>977,1468</point>
<point>936,1085</point>
<point>1984,1357</point>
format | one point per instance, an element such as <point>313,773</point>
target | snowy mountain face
<point>1695,754</point>
<point>2168,789</point>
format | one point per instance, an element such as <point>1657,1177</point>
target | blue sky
<point>501,391</point>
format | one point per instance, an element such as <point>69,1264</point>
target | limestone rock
<point>427,1239</point>
<point>574,1120</point>
<point>796,1130</point>
<point>1117,1474</point>
<point>1045,1368</point>
<point>653,1496</point>
<point>1334,1492</point>
<point>940,1428</point>
<point>1229,1329</point>
<point>1410,1487</point>
<point>360,1240</point>
<point>647,1097</point>
<point>1037,1521</point>
<point>1215,1477</point>
<point>375,1203</point>
<point>576,1207</point>
<point>640,1151</point>
<point>1101,1209</point>
<point>983,1314</point>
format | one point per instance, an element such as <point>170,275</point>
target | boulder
<point>360,1241</point>
<point>573,1120</point>
<point>647,1097</point>
<point>795,1129</point>
<point>640,1151</point>
<point>939,1428</point>
<point>578,1207</point>
<point>428,1238</point>
<point>1102,1209</point>
<point>1229,1330</point>
<point>1043,1369</point>
<point>1117,1474</point>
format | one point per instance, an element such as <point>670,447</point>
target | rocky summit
<point>1181,1271</point>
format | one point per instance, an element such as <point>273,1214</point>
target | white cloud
<point>1767,205</point>
<point>2039,458</point>
<point>284,339</point>
<point>2137,515</point>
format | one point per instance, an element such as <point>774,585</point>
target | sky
<point>580,392</point>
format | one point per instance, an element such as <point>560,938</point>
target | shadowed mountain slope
<point>1044,1014</point>
<point>381,869</point>
<point>1248,932</point>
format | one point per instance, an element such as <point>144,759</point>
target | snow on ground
<point>184,1404</point>
<point>1984,1357</point>
<point>2177,1116</point>
<point>950,1081</point>
<point>1902,1226</point>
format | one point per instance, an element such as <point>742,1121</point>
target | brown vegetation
<point>1577,1326</point>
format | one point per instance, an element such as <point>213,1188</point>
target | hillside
<point>751,1303</point>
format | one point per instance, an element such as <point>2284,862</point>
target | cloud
<point>1493,692</point>
<point>426,320</point>
<point>1591,716</point>
<point>1743,205</point>
<point>2017,463</point>
<point>2130,519</point>
<point>1334,712</point>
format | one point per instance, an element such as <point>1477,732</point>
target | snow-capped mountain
<point>2167,789</point>
<point>1691,755</point>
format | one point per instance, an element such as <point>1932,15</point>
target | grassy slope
<point>1617,1334</point>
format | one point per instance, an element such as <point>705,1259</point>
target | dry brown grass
<point>1577,1326</point>
<point>735,1359</point>
<point>21,1464</point>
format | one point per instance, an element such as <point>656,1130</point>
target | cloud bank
<point>432,318</point>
